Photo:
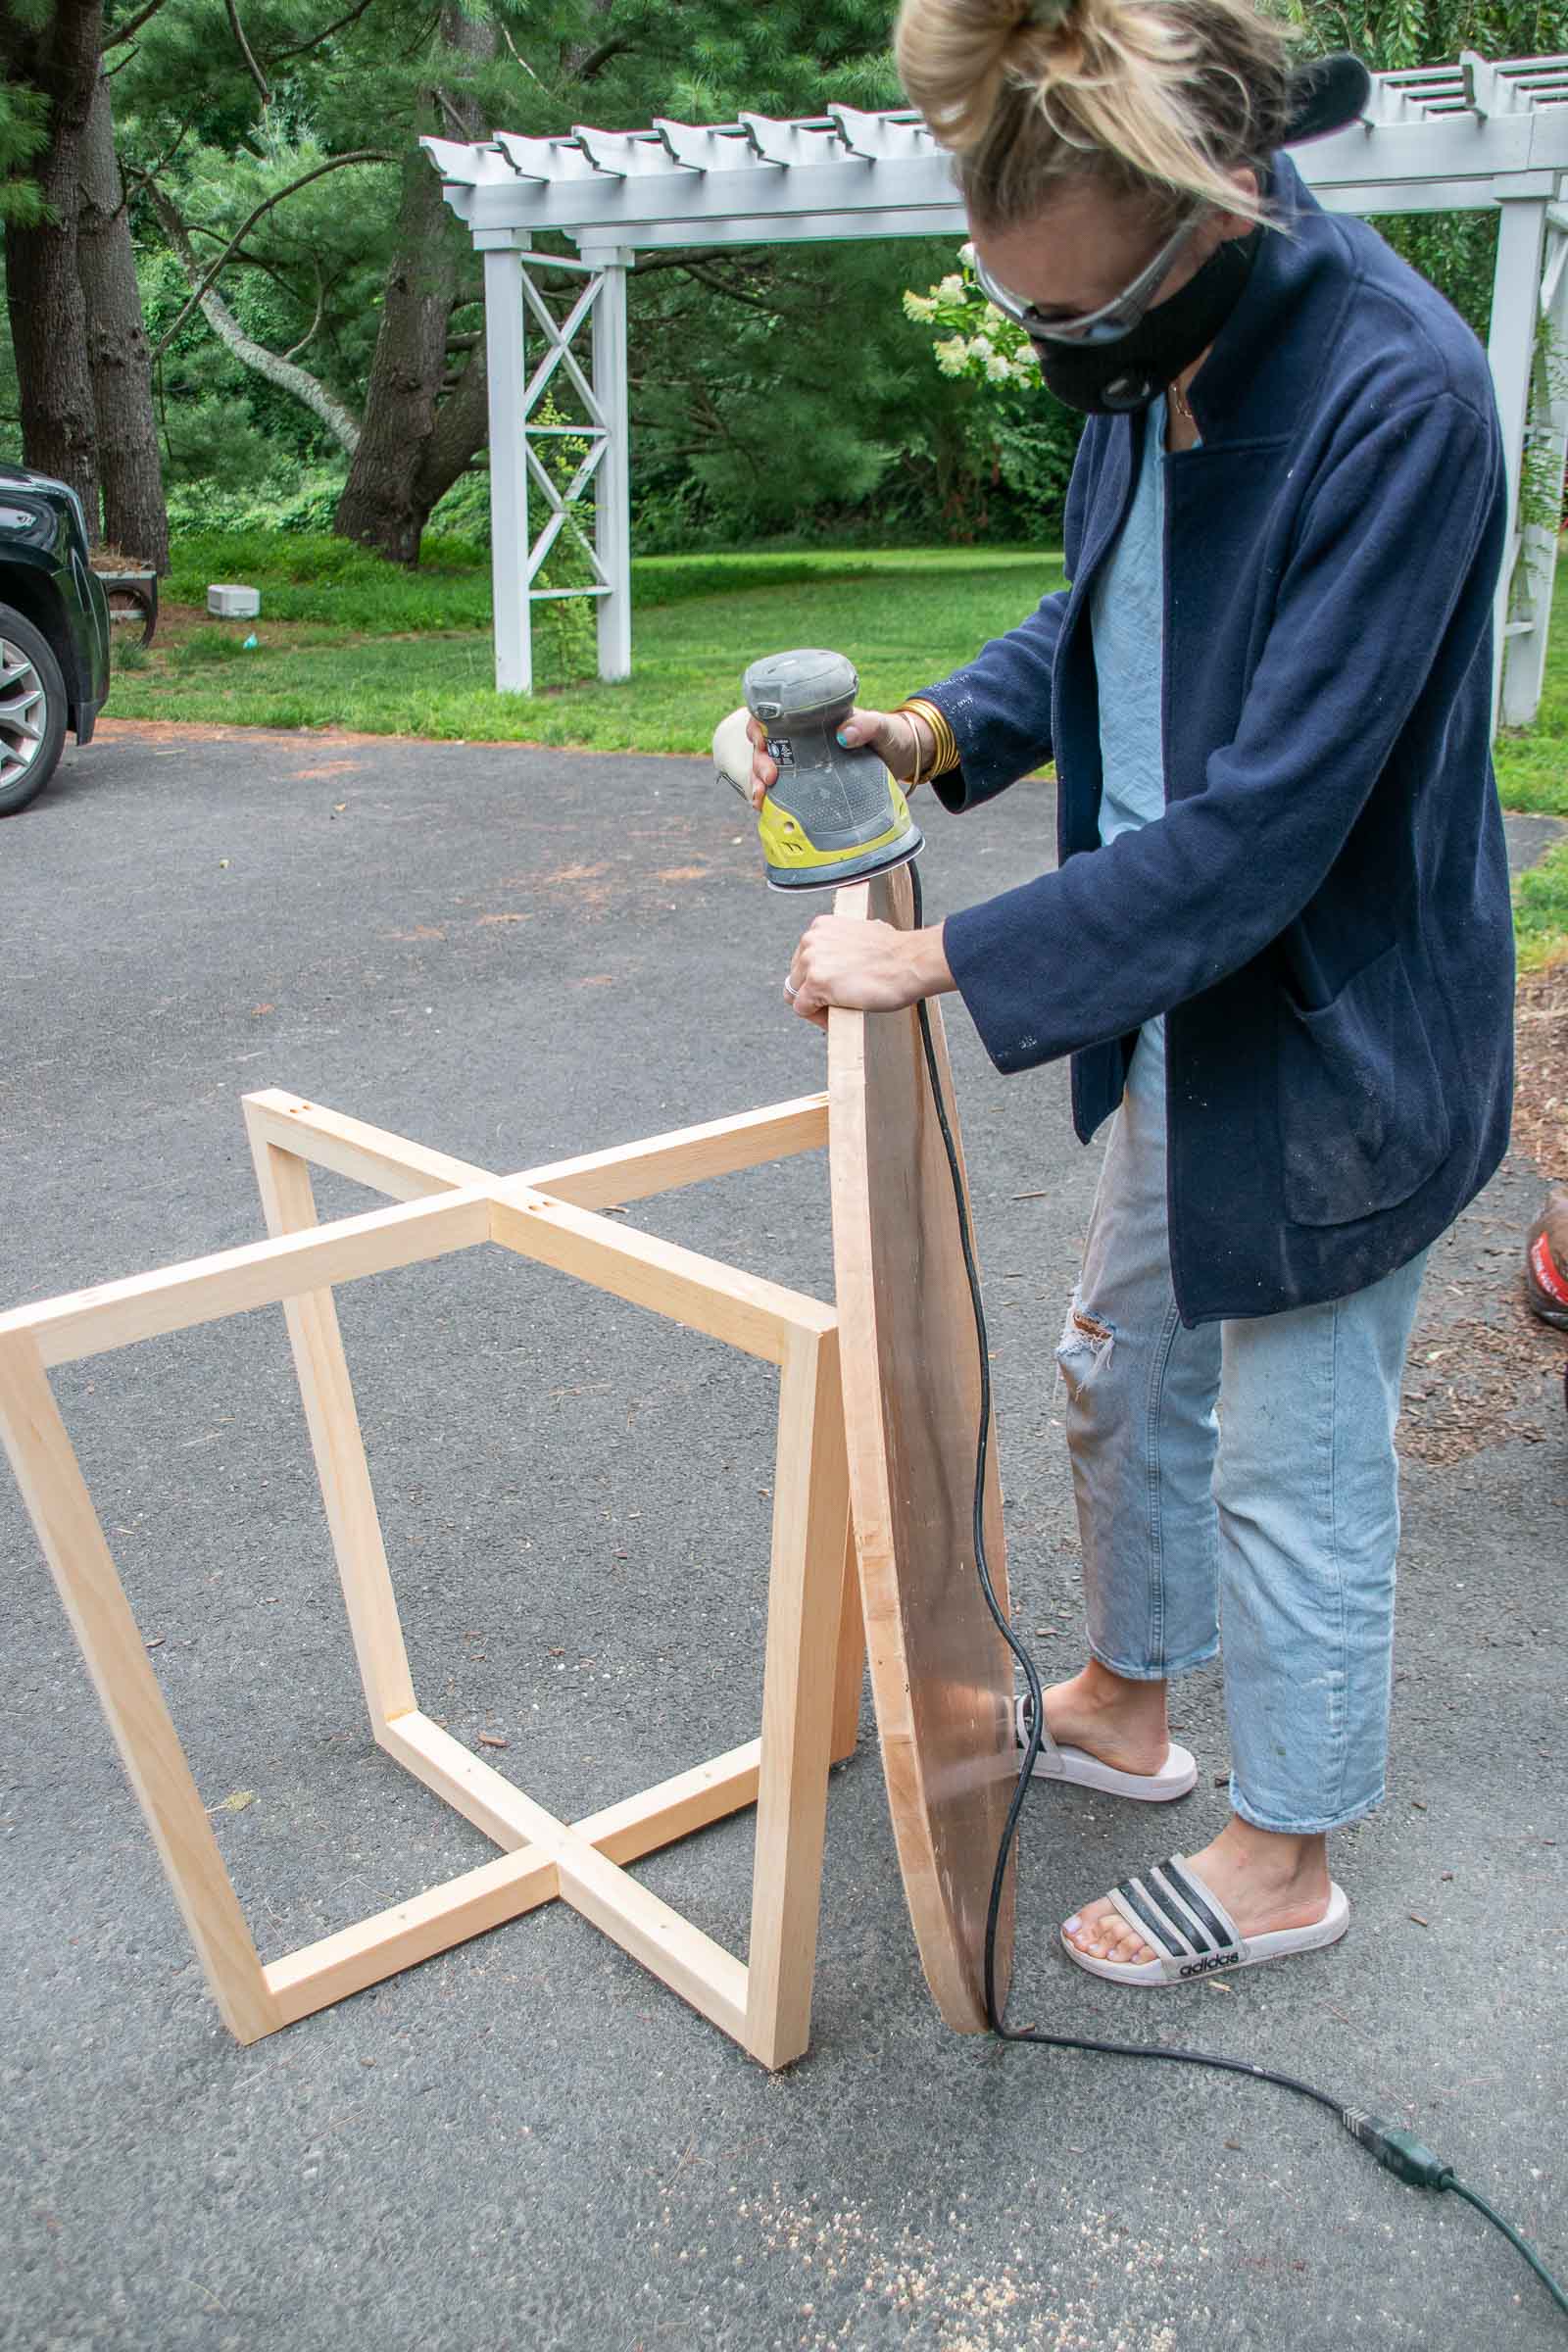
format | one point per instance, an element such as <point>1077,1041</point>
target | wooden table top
<point>941,1675</point>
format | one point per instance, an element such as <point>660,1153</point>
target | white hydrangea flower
<point>1025,367</point>
<point>998,369</point>
<point>966,255</point>
<point>920,307</point>
<point>951,354</point>
<point>952,287</point>
<point>981,348</point>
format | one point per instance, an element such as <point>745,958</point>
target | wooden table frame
<point>815,1646</point>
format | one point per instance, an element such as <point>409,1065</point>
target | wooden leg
<point>288,1205</point>
<point>61,1509</point>
<point>850,1676</point>
<point>811,1505</point>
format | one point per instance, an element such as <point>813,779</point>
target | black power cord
<point>1398,2152</point>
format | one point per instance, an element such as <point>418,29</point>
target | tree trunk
<point>43,291</point>
<point>135,518</point>
<point>413,445</point>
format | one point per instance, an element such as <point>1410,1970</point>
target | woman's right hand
<point>905,744</point>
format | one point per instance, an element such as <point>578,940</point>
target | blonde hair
<point>1163,99</point>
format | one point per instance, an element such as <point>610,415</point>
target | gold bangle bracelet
<point>947,755</point>
<point>914,730</point>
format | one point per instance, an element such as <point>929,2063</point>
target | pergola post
<point>1547,434</point>
<point>509,474</point>
<point>1511,351</point>
<point>613,489</point>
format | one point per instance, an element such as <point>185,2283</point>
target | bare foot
<point>1120,1722</point>
<point>1267,1881</point>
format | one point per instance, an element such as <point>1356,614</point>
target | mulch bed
<point>1491,1372</point>
<point>1541,1097</point>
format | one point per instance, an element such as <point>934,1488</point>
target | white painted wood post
<point>508,471</point>
<point>612,487</point>
<point>1527,651</point>
<point>1510,348</point>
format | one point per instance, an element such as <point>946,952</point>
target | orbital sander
<point>835,814</point>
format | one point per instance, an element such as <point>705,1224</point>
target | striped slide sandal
<point>1181,1916</point>
<point>1080,1770</point>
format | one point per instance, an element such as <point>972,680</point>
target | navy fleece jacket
<point>1322,912</point>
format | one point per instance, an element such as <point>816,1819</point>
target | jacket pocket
<point>1362,1118</point>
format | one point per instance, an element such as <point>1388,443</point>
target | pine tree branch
<point>423,38</point>
<point>309,336</point>
<point>706,277</point>
<point>289,377</point>
<point>252,260</point>
<point>335,163</point>
<point>596,59</point>
<point>254,70</point>
<point>137,179</point>
<point>125,33</point>
<point>516,52</point>
<point>454,121</point>
<point>304,48</point>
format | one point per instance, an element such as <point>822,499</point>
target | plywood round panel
<point>941,1674</point>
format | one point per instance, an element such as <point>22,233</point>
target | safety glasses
<point>1112,320</point>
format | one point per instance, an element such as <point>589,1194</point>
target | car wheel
<point>32,711</point>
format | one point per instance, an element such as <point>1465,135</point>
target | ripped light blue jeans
<point>1240,1476</point>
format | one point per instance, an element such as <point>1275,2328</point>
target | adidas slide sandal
<point>1193,1933</point>
<point>1175,1776</point>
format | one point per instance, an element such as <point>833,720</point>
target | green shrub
<point>463,512</point>
<point>302,499</point>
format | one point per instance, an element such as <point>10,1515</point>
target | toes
<point>1086,1929</point>
<point>1124,1944</point>
<point>1101,1932</point>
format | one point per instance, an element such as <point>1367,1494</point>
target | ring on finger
<point>791,991</point>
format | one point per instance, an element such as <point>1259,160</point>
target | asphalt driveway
<point>512,955</point>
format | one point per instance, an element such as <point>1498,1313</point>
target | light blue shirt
<point>1127,620</point>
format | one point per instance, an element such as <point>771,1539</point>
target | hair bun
<point>1172,100</point>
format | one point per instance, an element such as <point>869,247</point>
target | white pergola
<point>1460,138</point>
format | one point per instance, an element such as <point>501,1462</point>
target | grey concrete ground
<point>529,2142</point>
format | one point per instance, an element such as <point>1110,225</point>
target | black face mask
<point>1130,371</point>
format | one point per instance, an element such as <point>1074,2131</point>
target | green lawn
<point>409,654</point>
<point>351,642</point>
<point>1533,765</point>
<point>1533,773</point>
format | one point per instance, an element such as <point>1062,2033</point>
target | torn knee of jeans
<point>1086,1346</point>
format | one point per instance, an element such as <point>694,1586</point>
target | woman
<point>1277,944</point>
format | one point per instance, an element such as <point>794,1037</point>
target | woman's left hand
<point>866,967</point>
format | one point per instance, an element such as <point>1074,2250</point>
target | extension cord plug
<point>1401,2153</point>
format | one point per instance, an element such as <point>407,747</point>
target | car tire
<point>32,711</point>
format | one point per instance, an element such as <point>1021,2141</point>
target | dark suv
<point>53,632</point>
